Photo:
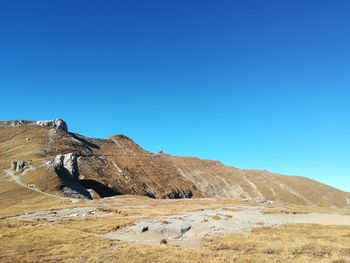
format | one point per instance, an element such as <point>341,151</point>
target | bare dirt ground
<point>192,226</point>
<point>54,215</point>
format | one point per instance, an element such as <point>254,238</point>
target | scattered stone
<point>143,228</point>
<point>185,228</point>
<point>48,162</point>
<point>163,241</point>
<point>53,215</point>
<point>267,202</point>
<point>70,192</point>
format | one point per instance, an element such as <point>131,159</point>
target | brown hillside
<point>43,159</point>
<point>214,179</point>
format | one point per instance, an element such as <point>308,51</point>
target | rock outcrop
<point>67,165</point>
<point>20,166</point>
<point>178,194</point>
<point>56,123</point>
<point>66,168</point>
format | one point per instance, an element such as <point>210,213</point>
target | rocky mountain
<point>45,158</point>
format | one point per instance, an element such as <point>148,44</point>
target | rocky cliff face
<point>56,124</point>
<point>65,163</point>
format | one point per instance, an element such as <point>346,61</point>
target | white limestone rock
<point>58,124</point>
<point>67,164</point>
<point>21,165</point>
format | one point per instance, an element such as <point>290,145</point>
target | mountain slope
<point>43,158</point>
<point>214,179</point>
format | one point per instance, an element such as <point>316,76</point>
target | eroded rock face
<point>67,165</point>
<point>66,168</point>
<point>178,194</point>
<point>58,124</point>
<point>20,166</point>
<point>75,192</point>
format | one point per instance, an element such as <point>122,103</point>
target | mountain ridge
<point>63,163</point>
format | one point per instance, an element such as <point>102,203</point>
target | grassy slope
<point>217,180</point>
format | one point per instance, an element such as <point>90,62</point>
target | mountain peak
<point>55,123</point>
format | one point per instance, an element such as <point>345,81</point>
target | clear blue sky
<point>255,84</point>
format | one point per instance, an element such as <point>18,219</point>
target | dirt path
<point>11,176</point>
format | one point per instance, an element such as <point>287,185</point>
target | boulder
<point>173,228</point>
<point>67,165</point>
<point>185,227</point>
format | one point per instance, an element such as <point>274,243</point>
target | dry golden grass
<point>291,243</point>
<point>72,241</point>
<point>14,199</point>
<point>297,209</point>
<point>216,217</point>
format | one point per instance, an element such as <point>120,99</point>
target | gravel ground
<point>54,215</point>
<point>185,228</point>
